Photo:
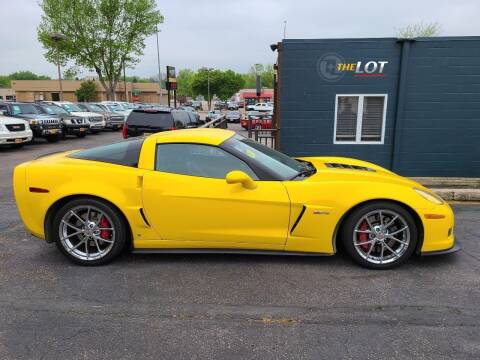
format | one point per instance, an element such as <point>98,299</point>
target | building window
<point>360,119</point>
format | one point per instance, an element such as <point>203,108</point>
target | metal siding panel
<point>441,134</point>
<point>308,101</point>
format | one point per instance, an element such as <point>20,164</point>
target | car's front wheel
<point>380,235</point>
<point>89,231</point>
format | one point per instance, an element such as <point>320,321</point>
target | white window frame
<point>358,139</point>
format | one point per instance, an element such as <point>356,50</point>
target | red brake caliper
<point>103,223</point>
<point>363,237</point>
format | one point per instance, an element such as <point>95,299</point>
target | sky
<point>236,34</point>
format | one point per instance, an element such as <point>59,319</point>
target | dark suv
<point>42,125</point>
<point>71,124</point>
<point>156,119</point>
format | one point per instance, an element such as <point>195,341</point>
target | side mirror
<point>239,177</point>
<point>2,112</point>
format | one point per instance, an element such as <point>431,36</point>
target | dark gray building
<point>412,106</point>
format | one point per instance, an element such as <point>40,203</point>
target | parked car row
<point>22,122</point>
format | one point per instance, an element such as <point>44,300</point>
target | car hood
<point>86,114</point>
<point>34,116</point>
<point>348,169</point>
<point>5,120</point>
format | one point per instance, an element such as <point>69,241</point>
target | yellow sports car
<point>210,190</point>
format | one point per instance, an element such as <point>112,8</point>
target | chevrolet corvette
<point>211,190</point>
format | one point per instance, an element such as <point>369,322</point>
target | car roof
<point>198,136</point>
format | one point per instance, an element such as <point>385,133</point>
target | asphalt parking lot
<point>229,307</point>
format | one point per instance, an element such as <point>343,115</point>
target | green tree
<point>4,81</point>
<point>136,79</point>
<point>222,83</point>
<point>184,82</point>
<point>419,30</point>
<point>71,73</point>
<point>27,75</point>
<point>200,83</point>
<point>230,83</point>
<point>87,91</point>
<point>102,35</point>
<point>266,74</point>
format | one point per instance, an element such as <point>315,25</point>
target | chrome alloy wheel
<point>381,236</point>
<point>87,233</point>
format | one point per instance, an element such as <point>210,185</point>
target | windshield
<point>96,108</point>
<point>114,107</point>
<point>282,165</point>
<point>54,110</point>
<point>72,108</point>
<point>19,109</point>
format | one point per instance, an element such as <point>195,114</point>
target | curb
<point>458,194</point>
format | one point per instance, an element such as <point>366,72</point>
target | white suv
<point>263,107</point>
<point>14,131</point>
<point>96,120</point>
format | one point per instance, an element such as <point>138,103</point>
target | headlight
<point>34,122</point>
<point>67,121</point>
<point>434,198</point>
<point>3,128</point>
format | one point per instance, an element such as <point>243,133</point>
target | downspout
<point>276,92</point>
<point>401,99</point>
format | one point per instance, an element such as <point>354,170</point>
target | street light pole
<point>208,90</point>
<point>159,69</point>
<point>57,37</point>
<point>208,85</point>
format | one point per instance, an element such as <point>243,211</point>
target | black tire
<point>258,127</point>
<point>52,138</point>
<point>348,236</point>
<point>118,223</point>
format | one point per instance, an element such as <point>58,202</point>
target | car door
<point>187,199</point>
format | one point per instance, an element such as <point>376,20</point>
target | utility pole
<point>57,38</point>
<point>208,90</point>
<point>208,85</point>
<point>284,29</point>
<point>125,82</point>
<point>159,69</point>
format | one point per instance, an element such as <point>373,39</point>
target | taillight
<point>173,128</point>
<point>124,131</point>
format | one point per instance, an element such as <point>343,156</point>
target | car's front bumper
<point>46,131</point>
<point>114,124</point>
<point>97,126</point>
<point>75,129</point>
<point>456,247</point>
<point>15,137</point>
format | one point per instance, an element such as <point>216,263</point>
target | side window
<point>123,153</point>
<point>198,160</point>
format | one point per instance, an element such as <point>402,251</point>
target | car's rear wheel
<point>258,126</point>
<point>89,231</point>
<point>380,235</point>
